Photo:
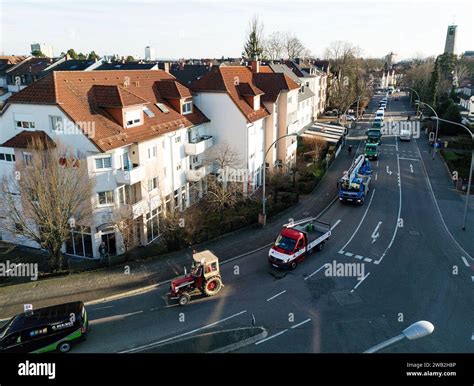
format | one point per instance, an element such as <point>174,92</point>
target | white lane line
<point>465,262</point>
<point>368,260</point>
<point>101,308</point>
<point>361,221</point>
<point>398,216</point>
<point>149,345</point>
<point>411,168</point>
<point>274,296</point>
<point>472,278</point>
<point>300,324</point>
<point>315,272</point>
<point>349,254</point>
<point>271,337</point>
<point>376,176</point>
<point>433,197</point>
<point>360,282</point>
<point>377,163</point>
<point>341,252</point>
<point>359,257</point>
<point>409,159</point>
<point>335,224</point>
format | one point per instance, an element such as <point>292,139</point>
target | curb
<point>242,343</point>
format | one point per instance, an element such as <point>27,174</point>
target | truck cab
<point>296,241</point>
<point>354,191</point>
<point>374,136</point>
<point>371,150</point>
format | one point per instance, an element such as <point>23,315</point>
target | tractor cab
<point>203,278</point>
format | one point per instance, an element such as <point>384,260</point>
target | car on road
<point>334,112</point>
<point>405,133</point>
<point>54,328</point>
<point>371,151</point>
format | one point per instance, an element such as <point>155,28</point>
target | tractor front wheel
<point>212,286</point>
<point>184,299</point>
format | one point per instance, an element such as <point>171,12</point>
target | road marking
<point>411,168</point>
<point>335,224</point>
<point>300,324</point>
<point>361,221</point>
<point>465,262</point>
<point>388,169</point>
<point>315,272</point>
<point>359,257</point>
<point>398,216</point>
<point>349,254</point>
<point>113,318</point>
<point>274,296</point>
<point>376,176</point>
<point>149,345</point>
<point>101,308</point>
<point>360,282</point>
<point>375,233</point>
<point>271,337</point>
<point>368,260</point>
<point>377,163</point>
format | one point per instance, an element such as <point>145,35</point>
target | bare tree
<point>316,147</point>
<point>122,217</point>
<point>293,47</point>
<point>49,193</point>
<point>275,46</point>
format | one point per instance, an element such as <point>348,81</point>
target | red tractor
<point>204,278</point>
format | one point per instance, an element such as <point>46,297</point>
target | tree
<point>275,46</point>
<point>72,54</point>
<point>38,54</point>
<point>293,48</point>
<point>93,56</point>
<point>49,193</point>
<point>316,147</point>
<point>254,46</point>
<point>122,217</point>
<point>130,58</point>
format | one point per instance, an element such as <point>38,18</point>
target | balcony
<point>199,145</point>
<point>130,177</point>
<point>197,173</point>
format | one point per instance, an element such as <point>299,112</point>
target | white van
<point>379,113</point>
<point>405,133</point>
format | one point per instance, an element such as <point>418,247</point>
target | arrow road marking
<point>389,171</point>
<point>411,168</point>
<point>375,233</point>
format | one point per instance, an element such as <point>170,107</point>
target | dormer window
<point>133,118</point>
<point>187,108</point>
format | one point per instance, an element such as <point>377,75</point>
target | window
<point>152,225</point>
<point>25,125</point>
<point>106,198</point>
<point>56,123</point>
<point>162,108</point>
<point>123,195</point>
<point>103,162</point>
<point>148,112</point>
<point>7,157</point>
<point>178,167</point>
<point>28,159</point>
<point>152,184</point>
<point>79,243</point>
<point>132,118</point>
<point>152,152</point>
<point>187,108</point>
<point>177,139</point>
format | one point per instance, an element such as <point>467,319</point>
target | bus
<point>54,328</point>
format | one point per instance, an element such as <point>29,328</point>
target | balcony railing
<point>199,145</point>
<point>130,177</point>
<point>197,173</point>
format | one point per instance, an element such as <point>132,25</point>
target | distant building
<point>45,49</point>
<point>391,59</point>
<point>450,46</point>
<point>149,53</point>
<point>468,55</point>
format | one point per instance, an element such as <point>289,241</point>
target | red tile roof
<point>172,89</point>
<point>73,92</point>
<point>116,96</point>
<point>237,82</point>
<point>273,83</point>
<point>27,138</point>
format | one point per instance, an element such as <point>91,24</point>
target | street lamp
<point>264,214</point>
<point>415,331</point>
<point>437,125</point>
<point>470,170</point>
<point>418,95</point>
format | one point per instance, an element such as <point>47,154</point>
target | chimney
<point>255,66</point>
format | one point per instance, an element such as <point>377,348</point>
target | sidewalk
<point>450,201</point>
<point>112,281</point>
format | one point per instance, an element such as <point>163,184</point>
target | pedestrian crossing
<point>358,257</point>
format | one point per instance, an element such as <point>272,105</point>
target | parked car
<point>334,112</point>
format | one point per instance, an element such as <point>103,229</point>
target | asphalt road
<point>407,263</point>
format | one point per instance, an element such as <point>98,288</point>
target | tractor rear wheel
<point>184,299</point>
<point>212,286</point>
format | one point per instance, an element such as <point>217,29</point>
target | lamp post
<point>418,95</point>
<point>415,331</point>
<point>437,125</point>
<point>264,213</point>
<point>470,170</point>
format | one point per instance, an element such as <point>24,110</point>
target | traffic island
<point>213,342</point>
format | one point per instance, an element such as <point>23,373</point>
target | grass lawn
<point>458,161</point>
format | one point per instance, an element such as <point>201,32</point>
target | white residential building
<point>140,134</point>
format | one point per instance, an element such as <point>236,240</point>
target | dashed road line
<point>368,260</point>
<point>271,337</point>
<point>335,224</point>
<point>274,296</point>
<point>360,282</point>
<point>349,254</point>
<point>465,262</point>
<point>300,324</point>
<point>315,272</point>
<point>359,257</point>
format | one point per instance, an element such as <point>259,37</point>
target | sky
<point>211,29</point>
